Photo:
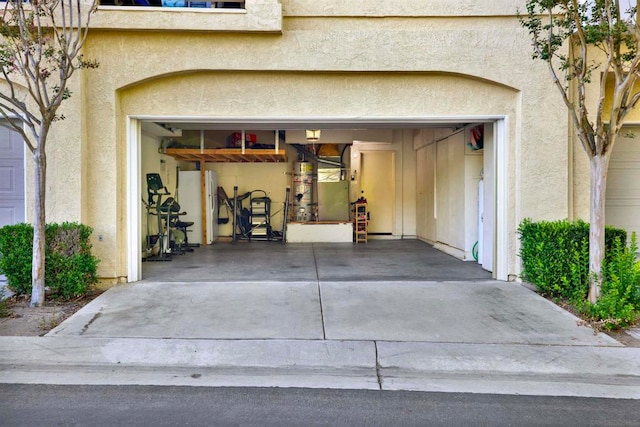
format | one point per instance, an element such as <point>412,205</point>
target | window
<point>176,3</point>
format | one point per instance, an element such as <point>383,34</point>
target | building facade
<point>401,87</point>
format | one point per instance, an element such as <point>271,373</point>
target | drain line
<point>378,375</point>
<point>315,261</point>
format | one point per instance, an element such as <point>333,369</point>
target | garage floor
<point>378,260</point>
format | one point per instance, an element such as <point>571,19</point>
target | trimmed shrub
<point>555,256</point>
<point>70,270</point>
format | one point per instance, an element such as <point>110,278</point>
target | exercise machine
<point>176,230</point>
<point>171,234</point>
<point>253,222</point>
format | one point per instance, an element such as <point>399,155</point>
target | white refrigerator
<point>190,196</point>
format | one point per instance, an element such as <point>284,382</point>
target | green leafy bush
<point>70,269</point>
<point>555,258</point>
<point>619,301</point>
<point>16,246</point>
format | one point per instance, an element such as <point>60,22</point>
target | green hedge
<point>70,269</point>
<point>555,258</point>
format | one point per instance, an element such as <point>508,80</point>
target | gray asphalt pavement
<point>29,405</point>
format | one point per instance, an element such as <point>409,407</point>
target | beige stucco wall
<point>426,59</point>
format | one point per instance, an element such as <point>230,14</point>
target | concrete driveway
<point>381,291</point>
<point>449,312</point>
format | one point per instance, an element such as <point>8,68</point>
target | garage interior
<point>299,183</point>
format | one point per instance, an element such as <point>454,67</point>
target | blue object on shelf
<point>185,3</point>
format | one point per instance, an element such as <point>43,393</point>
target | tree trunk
<point>599,166</point>
<point>38,264</point>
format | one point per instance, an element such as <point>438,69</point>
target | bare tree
<point>40,49</point>
<point>583,41</point>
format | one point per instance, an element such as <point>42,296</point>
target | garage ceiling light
<point>313,135</point>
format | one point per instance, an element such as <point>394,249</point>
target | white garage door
<point>623,183</point>
<point>11,177</point>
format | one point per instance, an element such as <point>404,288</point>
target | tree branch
<point>632,104</point>
<point>11,114</point>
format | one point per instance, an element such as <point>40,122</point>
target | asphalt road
<point>42,405</point>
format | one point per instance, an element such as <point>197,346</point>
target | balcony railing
<point>176,3</point>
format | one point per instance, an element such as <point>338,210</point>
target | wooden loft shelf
<point>228,155</point>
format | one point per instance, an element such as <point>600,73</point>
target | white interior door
<point>378,184</point>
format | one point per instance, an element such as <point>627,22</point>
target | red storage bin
<point>235,140</point>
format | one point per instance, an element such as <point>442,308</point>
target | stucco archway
<point>367,99</point>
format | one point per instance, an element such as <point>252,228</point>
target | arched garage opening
<point>368,109</point>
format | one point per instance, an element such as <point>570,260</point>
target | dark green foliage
<point>619,303</point>
<point>555,258</point>
<point>70,267</point>
<point>16,249</point>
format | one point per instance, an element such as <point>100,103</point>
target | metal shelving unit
<point>261,218</point>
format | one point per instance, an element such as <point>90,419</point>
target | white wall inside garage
<point>448,173</point>
<point>154,162</point>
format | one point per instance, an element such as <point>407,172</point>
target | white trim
<point>450,250</point>
<point>134,218</point>
<point>279,123</point>
<point>501,228</point>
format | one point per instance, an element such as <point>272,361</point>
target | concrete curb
<point>127,361</point>
<point>612,372</point>
<point>511,369</point>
